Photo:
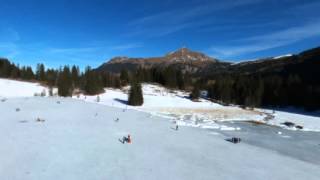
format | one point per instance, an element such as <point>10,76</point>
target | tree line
<point>255,90</point>
<point>265,90</point>
<point>67,79</point>
<point>276,90</point>
<point>90,81</point>
<point>169,77</point>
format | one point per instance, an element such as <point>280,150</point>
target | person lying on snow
<point>126,139</point>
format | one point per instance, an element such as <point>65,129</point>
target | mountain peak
<point>118,59</point>
<point>182,50</point>
<point>185,54</point>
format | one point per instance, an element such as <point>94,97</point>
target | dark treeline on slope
<point>68,80</point>
<point>91,81</point>
<point>297,83</point>
<point>273,90</point>
<point>169,77</point>
<point>195,93</point>
<point>268,90</point>
<point>10,70</point>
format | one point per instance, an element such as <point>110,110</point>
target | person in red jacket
<point>129,139</point>
<point>126,139</point>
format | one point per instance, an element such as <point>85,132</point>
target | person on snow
<point>126,139</point>
<point>129,139</point>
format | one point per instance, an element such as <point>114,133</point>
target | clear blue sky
<point>89,32</point>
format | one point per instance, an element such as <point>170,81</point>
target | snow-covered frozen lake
<point>75,140</point>
<point>296,144</point>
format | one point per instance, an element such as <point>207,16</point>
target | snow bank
<point>308,122</point>
<point>12,88</point>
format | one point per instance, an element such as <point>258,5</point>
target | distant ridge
<point>183,58</point>
<point>197,62</point>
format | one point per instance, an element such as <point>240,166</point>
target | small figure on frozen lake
<point>126,139</point>
<point>40,120</point>
<point>177,127</point>
<point>234,140</point>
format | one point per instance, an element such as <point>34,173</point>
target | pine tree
<point>65,82</point>
<point>5,68</point>
<point>40,73</point>
<point>15,71</point>
<point>135,95</point>
<point>29,73</point>
<point>195,94</point>
<point>180,80</point>
<point>93,83</point>
<point>169,75</point>
<point>124,77</point>
<point>75,74</point>
<point>51,77</point>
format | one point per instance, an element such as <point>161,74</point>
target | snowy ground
<point>309,120</point>
<point>11,88</point>
<point>176,105</point>
<point>78,140</point>
<point>205,114</point>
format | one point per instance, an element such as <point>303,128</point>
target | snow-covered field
<point>175,105</point>
<point>75,140</point>
<point>205,114</point>
<point>11,88</point>
<point>78,138</point>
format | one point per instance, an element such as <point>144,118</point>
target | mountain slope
<point>307,62</point>
<point>183,59</point>
<point>195,62</point>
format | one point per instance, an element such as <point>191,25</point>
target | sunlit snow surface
<point>177,106</point>
<point>80,141</point>
<point>11,88</point>
<point>51,138</point>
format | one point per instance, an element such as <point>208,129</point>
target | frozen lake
<point>302,145</point>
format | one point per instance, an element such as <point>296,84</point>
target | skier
<point>177,127</point>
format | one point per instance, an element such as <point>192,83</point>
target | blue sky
<point>89,32</point>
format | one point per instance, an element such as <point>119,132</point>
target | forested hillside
<point>278,82</point>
